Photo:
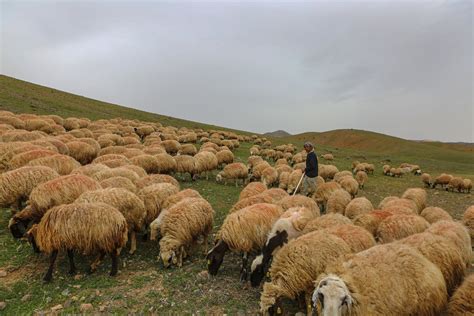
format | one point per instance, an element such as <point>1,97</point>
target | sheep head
<point>215,256</point>
<point>219,177</point>
<point>171,252</point>
<point>31,235</point>
<point>332,297</point>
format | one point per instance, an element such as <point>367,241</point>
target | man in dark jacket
<point>311,170</point>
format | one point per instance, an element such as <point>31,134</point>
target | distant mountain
<point>277,134</point>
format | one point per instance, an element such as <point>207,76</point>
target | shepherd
<point>311,171</point>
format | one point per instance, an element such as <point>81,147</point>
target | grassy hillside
<point>24,97</point>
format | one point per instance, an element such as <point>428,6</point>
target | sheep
<point>224,157</point>
<point>115,172</point>
<point>356,237</point>
<point>327,171</point>
<point>456,183</point>
<point>187,149</point>
<point>386,170</point>
<point>293,181</point>
<point>90,170</point>
<point>175,198</point>
<point>276,194</point>
<point>205,162</point>
<point>371,220</point>
<point>462,302</point>
<point>296,265</point>
<point>300,166</point>
<point>434,214</point>
<point>111,155</point>
<point>283,180</point>
<point>466,186</point>
<point>323,192</point>
<point>251,200</point>
<point>418,196</point>
<point>468,220</point>
<point>269,176</point>
<point>119,182</point>
<point>350,185</point>
<point>62,164</point>
<point>254,150</point>
<point>361,178</point>
<point>257,170</point>
<point>61,190</point>
<point>22,159</point>
<point>426,179</point>
<point>16,185</point>
<point>338,201</point>
<point>253,161</point>
<point>281,162</point>
<point>328,157</point>
<point>243,231</point>
<point>153,196</point>
<point>130,205</point>
<point>443,180</point>
<point>289,226</point>
<point>457,233</point>
<point>154,179</point>
<point>390,279</point>
<point>82,152</point>
<point>443,253</point>
<point>234,171</point>
<point>88,228</point>
<point>326,221</point>
<point>299,201</point>
<point>400,226</point>
<point>186,164</point>
<point>181,225</point>
<point>166,163</point>
<point>283,168</point>
<point>401,203</point>
<point>251,189</point>
<point>171,146</point>
<point>357,207</point>
<point>341,174</point>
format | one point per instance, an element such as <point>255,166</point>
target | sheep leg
<point>133,242</point>
<point>114,257</point>
<point>49,275</point>
<point>244,269</point>
<point>205,237</point>
<point>96,263</point>
<point>309,307</point>
<point>72,266</point>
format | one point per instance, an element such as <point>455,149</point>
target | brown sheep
<point>130,205</point>
<point>62,164</point>
<point>434,214</point>
<point>326,221</point>
<point>338,201</point>
<point>154,179</point>
<point>418,196</point>
<point>371,220</point>
<point>443,180</point>
<point>323,192</point>
<point>468,220</point>
<point>24,158</point>
<point>361,178</point>
<point>186,164</point>
<point>119,182</point>
<point>358,207</point>
<point>88,228</point>
<point>251,189</point>
<point>82,152</point>
<point>400,226</point>
<point>234,171</point>
<point>153,196</point>
<point>224,157</point>
<point>462,302</point>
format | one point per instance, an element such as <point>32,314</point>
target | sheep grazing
<point>327,172</point>
<point>299,201</point>
<point>293,181</point>
<point>130,205</point>
<point>323,192</point>
<point>386,170</point>
<point>371,220</point>
<point>82,151</point>
<point>462,302</point>
<point>289,226</point>
<point>466,186</point>
<point>443,253</point>
<point>426,179</point>
<point>358,207</point>
<point>376,282</point>
<point>155,179</point>
<point>251,189</point>
<point>16,185</point>
<point>62,164</point>
<point>328,157</point>
<point>180,227</point>
<point>119,182</point>
<point>269,176</point>
<point>116,172</point>
<point>205,162</point>
<point>361,178</point>
<point>468,220</point>
<point>186,164</point>
<point>283,180</point>
<point>87,228</point>
<point>257,170</point>
<point>350,185</point>
<point>224,157</point>
<point>187,149</point>
<point>356,237</point>
<point>252,161</point>
<point>442,180</point>
<point>22,159</point>
<point>342,174</point>
<point>90,170</point>
<point>457,233</point>
<point>338,201</point>
<point>434,214</point>
<point>398,203</point>
<point>166,163</point>
<point>326,221</point>
<point>297,265</point>
<point>234,171</point>
<point>171,146</point>
<point>400,226</point>
<point>153,196</point>
<point>418,196</point>
<point>243,231</point>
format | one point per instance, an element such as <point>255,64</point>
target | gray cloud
<point>402,68</point>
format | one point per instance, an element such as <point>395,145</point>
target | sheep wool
<point>418,196</point>
<point>155,179</point>
<point>462,302</point>
<point>326,221</point>
<point>233,171</point>
<point>357,207</point>
<point>434,214</point>
<point>390,279</point>
<point>82,151</point>
<point>62,164</point>
<point>342,174</point>
<point>401,203</point>
<point>166,163</point>
<point>361,178</point>
<point>181,225</point>
<point>22,159</point>
<point>371,220</point>
<point>350,185</point>
<point>175,198</point>
<point>153,196</point>
<point>16,185</point>
<point>299,201</point>
<point>468,220</point>
<point>356,237</point>
<point>119,182</point>
<point>251,189</point>
<point>400,226</point>
<point>324,191</point>
<point>338,201</point>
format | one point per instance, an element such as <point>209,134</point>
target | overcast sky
<point>403,68</point>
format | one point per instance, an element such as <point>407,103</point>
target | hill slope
<point>24,97</point>
<point>277,134</point>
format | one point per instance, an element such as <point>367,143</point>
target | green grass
<point>142,285</point>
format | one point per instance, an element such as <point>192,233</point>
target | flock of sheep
<point>87,187</point>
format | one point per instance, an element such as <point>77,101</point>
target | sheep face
<point>172,256</point>
<point>332,296</point>
<point>215,257</point>
<point>17,227</point>
<point>257,271</point>
<point>219,177</point>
